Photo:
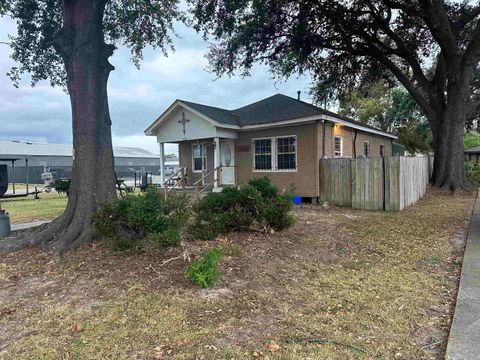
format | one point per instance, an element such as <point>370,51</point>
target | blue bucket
<point>297,200</point>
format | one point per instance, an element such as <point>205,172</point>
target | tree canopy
<point>432,47</point>
<point>69,43</point>
<point>133,24</point>
<point>337,40</point>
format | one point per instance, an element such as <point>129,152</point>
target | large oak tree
<point>431,46</point>
<point>69,43</point>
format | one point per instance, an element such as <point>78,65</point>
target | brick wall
<point>304,179</point>
<point>185,159</point>
<point>348,135</point>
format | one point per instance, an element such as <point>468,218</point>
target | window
<point>263,154</point>
<point>275,153</point>
<point>338,149</point>
<point>286,153</point>
<point>366,148</point>
<point>382,150</point>
<point>199,157</point>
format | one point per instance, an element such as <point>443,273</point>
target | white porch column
<point>162,163</point>
<point>216,161</point>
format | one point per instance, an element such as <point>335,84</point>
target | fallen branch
<point>167,261</point>
<point>325,341</point>
<point>432,344</point>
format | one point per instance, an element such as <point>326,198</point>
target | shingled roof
<point>270,110</point>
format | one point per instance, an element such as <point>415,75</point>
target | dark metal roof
<point>270,110</point>
<point>11,148</point>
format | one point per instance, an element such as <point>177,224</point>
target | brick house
<point>279,137</point>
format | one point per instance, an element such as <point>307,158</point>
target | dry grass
<point>28,209</point>
<point>341,284</point>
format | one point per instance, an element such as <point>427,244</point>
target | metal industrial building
<point>58,159</point>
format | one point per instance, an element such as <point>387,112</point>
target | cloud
<point>177,65</point>
<point>136,96</point>
<point>54,105</point>
<point>128,91</point>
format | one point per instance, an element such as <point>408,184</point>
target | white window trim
<point>341,146</point>
<point>204,157</point>
<point>366,142</point>
<point>274,154</point>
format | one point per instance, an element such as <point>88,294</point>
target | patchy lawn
<point>21,210</point>
<point>341,284</point>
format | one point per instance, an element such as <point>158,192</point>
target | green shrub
<point>203,230</point>
<point>132,218</point>
<point>265,187</point>
<point>236,210</point>
<point>169,237</point>
<point>278,212</point>
<point>471,139</point>
<point>472,172</point>
<point>125,245</point>
<point>204,272</point>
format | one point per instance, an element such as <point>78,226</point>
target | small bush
<point>167,238</point>
<point>132,218</point>
<point>265,187</point>
<point>472,172</point>
<point>204,272</point>
<point>237,210</point>
<point>278,212</point>
<point>122,245</point>
<point>231,250</point>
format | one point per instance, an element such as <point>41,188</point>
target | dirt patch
<point>340,284</point>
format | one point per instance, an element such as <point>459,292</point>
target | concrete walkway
<point>464,339</point>
<point>23,226</point>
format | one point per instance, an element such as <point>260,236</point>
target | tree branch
<point>402,50</point>
<point>465,18</point>
<point>440,26</point>
<point>472,52</point>
<point>404,79</point>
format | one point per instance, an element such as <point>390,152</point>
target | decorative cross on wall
<point>184,122</point>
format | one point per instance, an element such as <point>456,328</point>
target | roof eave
<point>358,127</point>
<point>317,117</point>
<point>149,131</point>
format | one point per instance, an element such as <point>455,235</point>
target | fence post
<point>183,178</point>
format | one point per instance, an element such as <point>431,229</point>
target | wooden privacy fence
<point>385,183</point>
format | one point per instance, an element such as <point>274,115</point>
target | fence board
<point>390,183</point>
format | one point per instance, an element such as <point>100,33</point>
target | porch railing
<point>200,188</point>
<point>175,180</point>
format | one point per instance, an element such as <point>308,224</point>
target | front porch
<point>203,164</point>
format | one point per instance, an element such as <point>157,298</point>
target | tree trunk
<point>85,54</point>
<point>448,165</point>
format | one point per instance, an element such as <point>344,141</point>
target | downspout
<point>355,143</point>
<point>323,139</point>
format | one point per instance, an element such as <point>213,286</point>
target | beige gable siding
<point>304,180</point>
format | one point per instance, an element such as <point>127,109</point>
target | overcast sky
<point>136,97</point>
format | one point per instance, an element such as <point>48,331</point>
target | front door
<point>227,158</point>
